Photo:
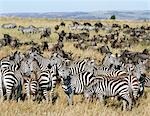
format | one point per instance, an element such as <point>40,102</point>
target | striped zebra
<point>110,61</point>
<point>27,30</point>
<point>45,83</point>
<point>74,84</point>
<point>10,59</point>
<point>110,87</point>
<point>10,83</point>
<point>9,26</point>
<point>147,82</point>
<point>46,79</point>
<point>12,79</point>
<point>31,88</point>
<point>105,71</point>
<point>42,61</point>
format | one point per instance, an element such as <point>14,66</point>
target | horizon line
<point>72,11</point>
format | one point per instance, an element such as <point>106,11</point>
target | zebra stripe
<point>31,87</point>
<point>104,86</point>
<point>105,71</point>
<point>47,79</point>
<point>147,82</point>
<point>74,84</point>
<point>11,84</point>
<point>42,62</point>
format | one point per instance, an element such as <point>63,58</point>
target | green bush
<point>113,17</point>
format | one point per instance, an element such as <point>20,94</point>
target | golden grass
<point>61,108</point>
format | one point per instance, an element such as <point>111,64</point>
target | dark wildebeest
<point>104,49</point>
<point>62,24</point>
<point>56,27</point>
<point>6,40</point>
<point>87,24</point>
<point>116,26</point>
<point>14,43</point>
<point>75,23</point>
<point>98,25</point>
<point>44,45</point>
<point>46,33</point>
<point>125,26</point>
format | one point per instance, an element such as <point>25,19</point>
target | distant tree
<point>113,17</point>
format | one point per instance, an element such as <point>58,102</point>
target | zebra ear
<point>67,62</point>
<point>49,66</point>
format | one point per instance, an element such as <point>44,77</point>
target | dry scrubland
<point>61,108</point>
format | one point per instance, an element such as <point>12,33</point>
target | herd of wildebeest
<point>123,75</point>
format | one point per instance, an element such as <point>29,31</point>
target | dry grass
<point>61,108</point>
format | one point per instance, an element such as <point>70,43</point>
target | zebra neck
<point>42,62</point>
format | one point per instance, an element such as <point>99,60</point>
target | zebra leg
<point>1,95</point>
<point>101,98</point>
<point>8,93</point>
<point>127,99</point>
<point>70,99</point>
<point>54,80</point>
<point>124,105</point>
<point>46,95</point>
<point>1,89</point>
<point>19,92</point>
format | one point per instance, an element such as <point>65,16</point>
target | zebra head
<point>17,57</point>
<point>25,66</point>
<point>140,68</point>
<point>56,59</point>
<point>66,80</point>
<point>33,65</point>
<point>91,67</point>
<point>111,61</point>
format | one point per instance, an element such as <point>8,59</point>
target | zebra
<point>108,87</point>
<point>31,88</point>
<point>42,61</point>
<point>27,30</point>
<point>12,79</point>
<point>45,83</point>
<point>105,71</point>
<point>110,61</point>
<point>74,84</point>
<point>46,79</point>
<point>9,26</point>
<point>147,82</point>
<point>10,59</point>
<point>9,83</point>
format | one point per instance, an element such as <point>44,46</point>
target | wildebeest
<point>104,49</point>
<point>46,33</point>
<point>87,24</point>
<point>125,26</point>
<point>75,23</point>
<point>62,24</point>
<point>56,27</point>
<point>44,45</point>
<point>14,43</point>
<point>98,25</point>
<point>116,26</point>
<point>6,40</point>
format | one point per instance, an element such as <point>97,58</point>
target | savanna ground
<point>60,108</point>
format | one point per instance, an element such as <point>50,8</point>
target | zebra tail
<point>19,90</point>
<point>131,94</point>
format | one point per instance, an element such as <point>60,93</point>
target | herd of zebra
<point>32,76</point>
<point>44,31</point>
